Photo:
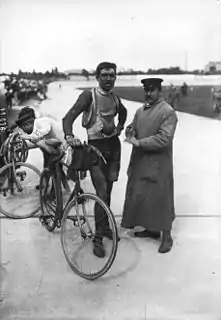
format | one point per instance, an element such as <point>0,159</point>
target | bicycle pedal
<point>76,224</point>
<point>42,221</point>
<point>58,224</point>
<point>22,175</point>
<point>84,235</point>
<point>4,191</point>
<point>82,222</point>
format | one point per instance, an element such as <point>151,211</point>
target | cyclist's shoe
<point>109,234</point>
<point>98,249</point>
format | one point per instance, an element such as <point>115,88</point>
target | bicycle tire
<point>9,153</point>
<point>107,266</point>
<point>13,166</point>
<point>44,201</point>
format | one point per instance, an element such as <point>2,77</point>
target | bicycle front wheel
<point>19,195</point>
<point>78,232</point>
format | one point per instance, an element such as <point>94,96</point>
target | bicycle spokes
<point>19,197</point>
<point>80,229</point>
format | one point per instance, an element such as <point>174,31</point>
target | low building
<point>213,66</point>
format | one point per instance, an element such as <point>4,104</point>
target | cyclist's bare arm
<point>82,104</point>
<point>41,144</point>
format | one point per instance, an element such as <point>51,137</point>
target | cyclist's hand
<point>36,139</point>
<point>73,141</point>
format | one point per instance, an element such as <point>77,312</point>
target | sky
<point>137,34</point>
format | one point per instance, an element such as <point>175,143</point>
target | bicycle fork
<point>81,220</point>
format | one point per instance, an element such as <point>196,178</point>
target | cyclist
<point>100,107</point>
<point>37,130</point>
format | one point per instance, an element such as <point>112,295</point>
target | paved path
<point>142,284</point>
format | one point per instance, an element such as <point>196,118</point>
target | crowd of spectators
<point>19,90</point>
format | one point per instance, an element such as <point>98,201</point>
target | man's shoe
<point>166,245</point>
<point>147,234</point>
<point>109,234</point>
<point>98,249</point>
<point>126,226</point>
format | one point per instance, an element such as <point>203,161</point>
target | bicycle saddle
<point>53,142</point>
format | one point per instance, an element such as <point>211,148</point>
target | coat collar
<point>146,105</point>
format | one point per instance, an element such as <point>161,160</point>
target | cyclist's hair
<point>25,114</point>
<point>105,65</point>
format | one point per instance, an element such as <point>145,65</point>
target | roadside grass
<point>198,101</point>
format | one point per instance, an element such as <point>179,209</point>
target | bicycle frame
<point>54,166</point>
<point>75,192</point>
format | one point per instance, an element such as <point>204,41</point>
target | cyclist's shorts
<point>111,151</point>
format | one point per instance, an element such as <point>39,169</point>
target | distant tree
<point>85,73</point>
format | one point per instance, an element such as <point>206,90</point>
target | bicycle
<point>19,198</point>
<point>75,217</point>
<point>14,149</point>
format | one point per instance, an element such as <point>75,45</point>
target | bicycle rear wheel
<point>19,197</point>
<point>50,200</point>
<point>78,233</point>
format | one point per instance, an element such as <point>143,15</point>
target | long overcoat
<point>149,199</point>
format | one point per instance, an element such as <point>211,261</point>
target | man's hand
<point>73,141</point>
<point>129,132</point>
<point>133,141</point>
<point>119,129</point>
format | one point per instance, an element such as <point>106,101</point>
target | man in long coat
<point>149,198</point>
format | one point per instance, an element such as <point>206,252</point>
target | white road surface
<point>36,282</point>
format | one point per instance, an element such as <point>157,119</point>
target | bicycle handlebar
<point>92,147</point>
<point>98,153</point>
